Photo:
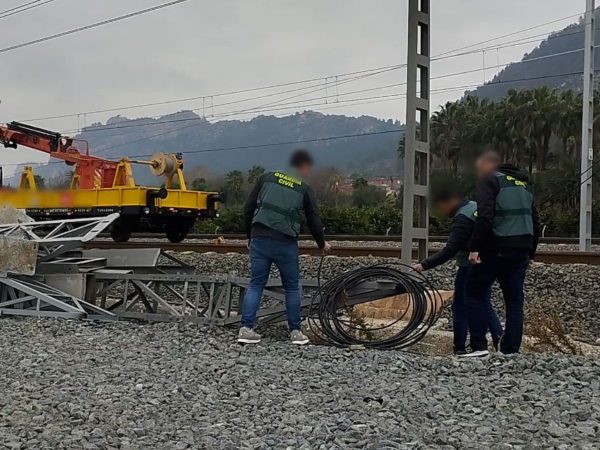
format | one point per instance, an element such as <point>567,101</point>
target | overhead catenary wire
<point>444,76</point>
<point>19,6</point>
<point>442,56</point>
<point>90,26</point>
<point>535,27</point>
<point>374,71</point>
<point>361,102</point>
<point>24,7</point>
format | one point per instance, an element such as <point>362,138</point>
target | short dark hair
<point>301,158</point>
<point>447,194</point>
<point>492,156</point>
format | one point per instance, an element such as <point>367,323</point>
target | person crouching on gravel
<point>463,213</point>
<point>273,215</point>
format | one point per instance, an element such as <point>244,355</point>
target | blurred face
<point>485,167</point>
<point>304,170</point>
<point>447,207</point>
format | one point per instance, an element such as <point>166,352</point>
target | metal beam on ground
<point>57,237</point>
<point>415,219</point>
<point>587,150</point>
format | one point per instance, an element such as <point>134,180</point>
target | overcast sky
<point>202,47</point>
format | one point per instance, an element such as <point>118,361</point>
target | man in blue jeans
<point>273,216</point>
<point>504,241</point>
<point>463,213</point>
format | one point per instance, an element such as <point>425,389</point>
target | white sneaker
<point>248,336</point>
<point>475,354</point>
<point>298,338</point>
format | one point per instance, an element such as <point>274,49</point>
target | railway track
<point>351,238</point>
<point>553,257</point>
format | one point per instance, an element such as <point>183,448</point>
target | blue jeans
<point>264,252</point>
<point>509,268</point>
<point>460,323</point>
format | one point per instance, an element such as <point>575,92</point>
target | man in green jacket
<point>273,215</point>
<point>504,241</point>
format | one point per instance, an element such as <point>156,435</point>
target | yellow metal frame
<point>99,198</point>
<point>28,196</point>
<point>28,179</point>
<point>124,172</point>
<point>180,180</point>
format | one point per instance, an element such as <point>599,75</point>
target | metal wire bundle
<point>329,317</point>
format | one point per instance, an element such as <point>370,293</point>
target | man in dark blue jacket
<point>463,213</point>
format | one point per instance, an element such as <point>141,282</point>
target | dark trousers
<point>460,323</point>
<point>509,268</point>
<point>264,252</point>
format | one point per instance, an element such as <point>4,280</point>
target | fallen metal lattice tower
<point>25,292</point>
<point>25,296</point>
<point>210,299</point>
<point>56,237</point>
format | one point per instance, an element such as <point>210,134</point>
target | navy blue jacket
<point>461,230</point>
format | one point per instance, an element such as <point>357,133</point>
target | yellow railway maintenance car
<point>100,187</point>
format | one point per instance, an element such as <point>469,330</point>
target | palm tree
<point>254,174</point>
<point>545,116</point>
<point>569,122</point>
<point>234,186</point>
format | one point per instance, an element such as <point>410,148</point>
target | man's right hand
<point>418,268</point>
<point>326,247</point>
<point>474,258</point>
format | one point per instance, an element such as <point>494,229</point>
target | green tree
<point>359,183</point>
<point>234,187</point>
<point>367,195</point>
<point>254,174</point>
<point>199,184</point>
<point>40,181</point>
<point>61,180</point>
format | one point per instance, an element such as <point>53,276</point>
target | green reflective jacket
<point>280,203</point>
<point>514,205</point>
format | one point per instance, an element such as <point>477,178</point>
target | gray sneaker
<point>248,336</point>
<point>474,354</point>
<point>298,338</point>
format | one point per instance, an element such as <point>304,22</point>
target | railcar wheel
<point>121,230</point>
<point>176,235</point>
<point>177,231</point>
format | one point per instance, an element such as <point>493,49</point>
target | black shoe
<point>460,352</point>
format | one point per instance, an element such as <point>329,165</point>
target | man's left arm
<point>313,221</point>
<point>460,233</point>
<point>250,206</point>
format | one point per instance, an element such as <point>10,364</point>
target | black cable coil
<point>331,320</point>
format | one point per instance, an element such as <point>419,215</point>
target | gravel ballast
<point>68,385</point>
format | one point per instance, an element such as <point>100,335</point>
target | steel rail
<point>550,257</point>
<point>348,237</point>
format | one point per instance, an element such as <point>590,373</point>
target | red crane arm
<point>93,172</point>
